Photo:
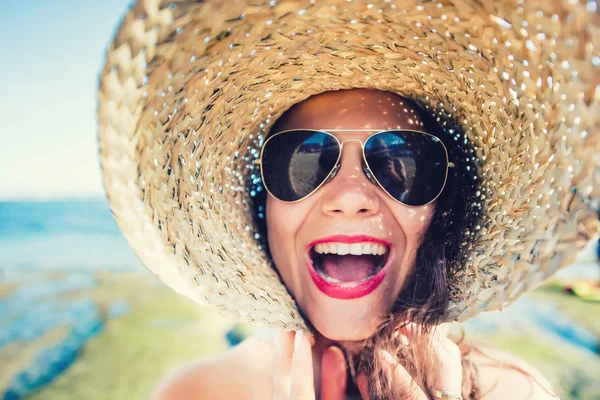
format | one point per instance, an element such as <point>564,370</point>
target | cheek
<point>414,220</point>
<point>283,223</point>
<point>278,228</point>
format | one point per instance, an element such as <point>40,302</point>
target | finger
<point>363,386</point>
<point>446,372</point>
<point>441,331</point>
<point>333,374</point>
<point>411,330</point>
<point>302,384</point>
<point>448,375</point>
<point>283,343</point>
<point>400,378</point>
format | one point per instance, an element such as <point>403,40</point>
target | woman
<point>242,174</point>
<point>349,209</point>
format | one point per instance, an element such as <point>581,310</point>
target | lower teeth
<point>331,280</point>
<point>334,280</point>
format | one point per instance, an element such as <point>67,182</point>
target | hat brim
<point>187,88</point>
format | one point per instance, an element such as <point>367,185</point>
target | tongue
<point>349,268</point>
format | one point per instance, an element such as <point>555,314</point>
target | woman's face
<point>341,210</point>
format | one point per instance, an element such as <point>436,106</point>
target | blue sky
<point>52,52</point>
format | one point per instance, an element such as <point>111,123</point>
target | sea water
<point>61,235</point>
<point>77,238</point>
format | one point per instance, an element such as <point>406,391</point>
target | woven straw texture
<point>189,88</point>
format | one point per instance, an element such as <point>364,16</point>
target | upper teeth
<point>354,248</point>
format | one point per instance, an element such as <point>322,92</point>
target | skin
<point>348,204</point>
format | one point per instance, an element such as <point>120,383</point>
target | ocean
<point>61,235</point>
<point>82,235</point>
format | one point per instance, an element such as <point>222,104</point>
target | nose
<point>350,193</point>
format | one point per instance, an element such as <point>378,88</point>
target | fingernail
<point>403,340</point>
<point>387,357</point>
<point>298,340</point>
<point>407,330</point>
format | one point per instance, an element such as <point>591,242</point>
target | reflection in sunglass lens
<point>295,163</point>
<point>410,166</point>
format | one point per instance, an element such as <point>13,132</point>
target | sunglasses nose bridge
<point>360,143</point>
<point>350,140</point>
<point>364,166</point>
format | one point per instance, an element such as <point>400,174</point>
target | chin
<point>340,333</point>
<point>350,323</point>
<point>346,320</point>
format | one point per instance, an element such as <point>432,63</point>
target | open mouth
<point>343,262</point>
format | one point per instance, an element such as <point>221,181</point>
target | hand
<point>293,371</point>
<point>293,377</point>
<point>388,165</point>
<point>445,375</point>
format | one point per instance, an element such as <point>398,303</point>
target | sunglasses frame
<point>369,174</point>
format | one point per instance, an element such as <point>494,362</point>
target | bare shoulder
<point>503,376</point>
<point>241,372</point>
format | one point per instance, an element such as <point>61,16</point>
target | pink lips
<point>346,290</point>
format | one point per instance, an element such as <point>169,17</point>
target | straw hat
<point>189,90</point>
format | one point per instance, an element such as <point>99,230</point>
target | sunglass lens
<point>410,166</point>
<point>295,163</point>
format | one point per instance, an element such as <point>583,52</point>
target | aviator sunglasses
<point>410,166</point>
